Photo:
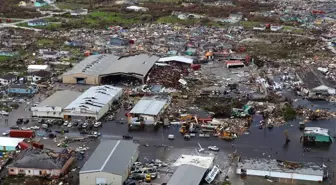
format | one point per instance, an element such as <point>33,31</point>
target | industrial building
<point>9,144</point>
<point>283,170</point>
<point>187,175</point>
<point>110,163</point>
<point>53,106</point>
<point>106,68</point>
<point>149,109</point>
<point>93,103</point>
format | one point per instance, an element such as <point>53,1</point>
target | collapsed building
<point>279,169</point>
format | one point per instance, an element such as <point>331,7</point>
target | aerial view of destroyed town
<point>167,92</point>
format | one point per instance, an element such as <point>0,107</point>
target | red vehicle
<point>38,145</point>
<point>9,20</point>
<point>22,133</point>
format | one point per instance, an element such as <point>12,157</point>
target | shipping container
<point>23,145</point>
<point>38,145</point>
<point>22,133</point>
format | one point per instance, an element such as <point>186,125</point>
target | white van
<point>44,125</point>
<point>171,137</point>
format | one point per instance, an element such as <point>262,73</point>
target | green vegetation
<point>249,24</point>
<point>50,26</point>
<point>293,29</point>
<point>71,5</point>
<point>45,41</point>
<point>288,113</point>
<point>4,58</point>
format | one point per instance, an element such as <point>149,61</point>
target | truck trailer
<point>22,133</point>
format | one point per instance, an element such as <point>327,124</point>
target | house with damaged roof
<point>315,83</point>
<point>36,162</point>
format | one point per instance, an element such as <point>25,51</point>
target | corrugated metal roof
<point>187,175</point>
<point>95,98</point>
<point>60,99</point>
<point>182,59</point>
<point>149,106</point>
<point>96,65</point>
<point>112,156</point>
<point>273,165</point>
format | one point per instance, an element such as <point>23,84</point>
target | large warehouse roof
<point>60,99</point>
<point>187,175</point>
<point>112,156</point>
<point>149,106</point>
<point>95,98</point>
<point>106,64</point>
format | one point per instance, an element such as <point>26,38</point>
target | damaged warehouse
<point>93,103</point>
<point>107,68</point>
<point>148,111</point>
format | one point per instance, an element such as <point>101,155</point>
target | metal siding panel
<point>307,177</point>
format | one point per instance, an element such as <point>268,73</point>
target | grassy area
<point>249,24</point>
<point>4,58</point>
<point>45,41</point>
<point>293,29</point>
<point>71,5</point>
<point>114,17</point>
<point>50,26</point>
<point>175,20</point>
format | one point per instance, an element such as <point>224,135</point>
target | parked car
<point>127,137</point>
<point>35,127</point>
<point>26,121</point>
<point>213,148</point>
<point>65,123</point>
<point>171,137</point>
<point>19,121</point>
<point>84,125</point>
<point>4,113</point>
<point>25,128</point>
<point>70,125</point>
<point>14,127</point>
<point>97,124</point>
<point>6,133</point>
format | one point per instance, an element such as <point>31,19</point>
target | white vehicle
<point>201,135</point>
<point>6,133</point>
<point>4,113</point>
<point>84,125</point>
<point>65,123</point>
<point>44,125</point>
<point>97,124</point>
<point>25,128</point>
<point>207,135</point>
<point>171,137</point>
<point>192,134</point>
<point>213,148</point>
<point>70,125</point>
<point>35,127</point>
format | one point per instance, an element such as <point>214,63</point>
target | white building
<point>53,106</point>
<point>149,109</point>
<point>7,79</point>
<point>281,169</point>
<point>110,163</point>
<point>94,102</point>
<point>33,68</point>
<point>137,8</point>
